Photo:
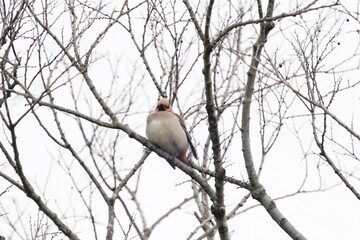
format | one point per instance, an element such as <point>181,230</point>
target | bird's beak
<point>161,108</point>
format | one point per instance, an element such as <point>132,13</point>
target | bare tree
<point>79,78</point>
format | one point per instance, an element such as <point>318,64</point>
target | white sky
<point>333,214</point>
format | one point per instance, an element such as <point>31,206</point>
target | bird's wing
<point>182,123</point>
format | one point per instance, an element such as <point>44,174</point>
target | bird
<point>167,130</point>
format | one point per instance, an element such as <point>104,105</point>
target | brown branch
<point>218,208</point>
<point>231,214</point>
<point>194,20</point>
<point>115,194</point>
<point>30,192</point>
<point>267,18</point>
<point>12,181</point>
<point>258,192</point>
<point>334,167</point>
<point>228,179</point>
<point>317,103</point>
<point>142,50</point>
<point>178,206</point>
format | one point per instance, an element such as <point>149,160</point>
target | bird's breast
<point>165,131</point>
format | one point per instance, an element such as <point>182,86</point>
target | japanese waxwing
<point>167,130</point>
